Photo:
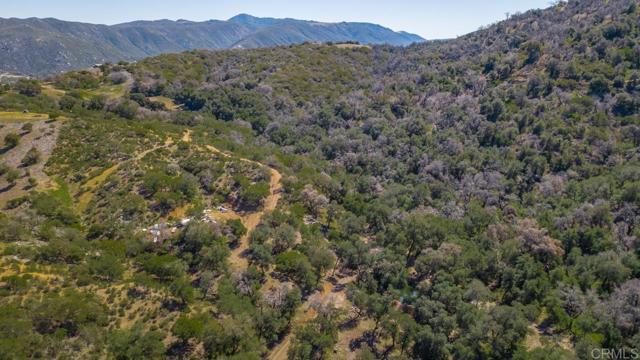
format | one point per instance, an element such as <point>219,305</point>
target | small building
<point>159,232</point>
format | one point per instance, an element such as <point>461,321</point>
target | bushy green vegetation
<point>477,192</point>
<point>492,171</point>
<point>11,140</point>
<point>28,87</point>
<point>32,157</point>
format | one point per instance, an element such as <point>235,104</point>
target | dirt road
<point>252,220</point>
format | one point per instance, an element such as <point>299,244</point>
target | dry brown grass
<point>42,137</point>
<point>168,103</point>
<point>51,91</point>
<point>41,274</point>
<point>343,347</point>
<point>90,187</point>
<point>19,116</point>
<point>539,336</point>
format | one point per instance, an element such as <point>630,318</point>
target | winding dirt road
<point>307,312</point>
<point>86,194</point>
<point>252,220</point>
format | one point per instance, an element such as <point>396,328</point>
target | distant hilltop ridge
<point>40,47</point>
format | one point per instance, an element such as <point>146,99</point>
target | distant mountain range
<point>44,46</point>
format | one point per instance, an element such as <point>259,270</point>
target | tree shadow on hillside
<point>7,188</point>
<point>173,305</point>
<point>179,350</point>
<point>5,149</point>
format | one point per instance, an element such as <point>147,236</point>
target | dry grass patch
<point>168,103</point>
<point>352,46</point>
<point>85,197</point>
<point>51,91</point>
<point>18,116</point>
<point>42,137</point>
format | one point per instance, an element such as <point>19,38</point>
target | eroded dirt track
<point>251,220</point>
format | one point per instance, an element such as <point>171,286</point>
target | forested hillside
<point>476,198</point>
<point>42,47</point>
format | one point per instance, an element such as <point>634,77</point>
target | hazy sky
<point>429,18</point>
